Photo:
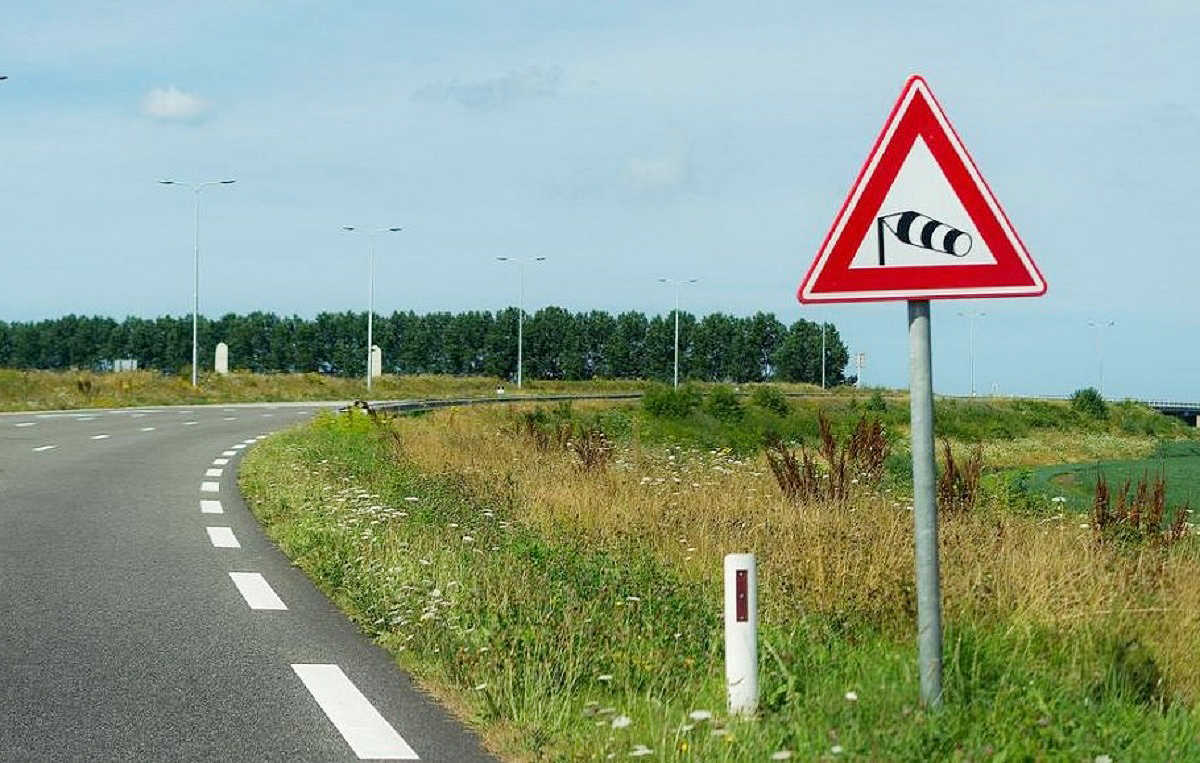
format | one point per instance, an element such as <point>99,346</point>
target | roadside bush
<point>770,399</point>
<point>1088,402</point>
<point>669,402</point>
<point>722,403</point>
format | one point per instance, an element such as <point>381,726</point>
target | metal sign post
<point>920,223</point>
<point>929,595</point>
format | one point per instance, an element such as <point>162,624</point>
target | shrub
<point>722,403</point>
<point>1138,517</point>
<point>669,402</point>
<point>958,484</point>
<point>876,403</point>
<point>770,399</point>
<point>1089,402</point>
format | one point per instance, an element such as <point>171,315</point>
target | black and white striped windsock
<point>918,230</point>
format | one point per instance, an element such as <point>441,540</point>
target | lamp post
<point>521,263</point>
<point>196,188</point>
<point>972,315</point>
<point>371,233</point>
<point>1100,328</point>
<point>676,284</point>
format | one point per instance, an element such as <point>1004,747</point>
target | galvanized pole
<point>929,604</point>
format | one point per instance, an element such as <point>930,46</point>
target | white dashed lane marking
<point>190,423</point>
<point>257,592</point>
<point>211,507</point>
<point>44,447</point>
<point>231,418</point>
<point>367,732</point>
<point>220,461</point>
<point>229,453</point>
<point>239,446</point>
<point>222,537</point>
<point>99,437</point>
<point>214,472</point>
<point>25,424</point>
<point>210,487</point>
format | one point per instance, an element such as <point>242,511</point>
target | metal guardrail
<point>415,406</point>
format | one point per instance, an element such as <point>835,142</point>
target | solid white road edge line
<point>367,732</point>
<point>256,591</point>
<point>222,537</point>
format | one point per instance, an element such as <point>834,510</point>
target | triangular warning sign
<point>920,221</point>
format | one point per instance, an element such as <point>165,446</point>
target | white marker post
<point>741,633</point>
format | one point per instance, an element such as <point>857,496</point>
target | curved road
<point>144,616</point>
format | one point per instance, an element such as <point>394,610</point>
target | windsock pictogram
<point>919,230</point>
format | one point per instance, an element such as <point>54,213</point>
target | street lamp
<point>520,263</point>
<point>371,233</point>
<point>1100,328</point>
<point>195,188</point>
<point>676,284</point>
<point>972,315</point>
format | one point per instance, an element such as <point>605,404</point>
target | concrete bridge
<point>1189,412</point>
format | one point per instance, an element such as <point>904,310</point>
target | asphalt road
<point>137,623</point>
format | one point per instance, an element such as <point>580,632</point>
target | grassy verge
<point>573,613</point>
<point>49,390</point>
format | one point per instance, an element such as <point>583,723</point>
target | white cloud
<point>171,103</point>
<point>534,82</point>
<point>664,174</point>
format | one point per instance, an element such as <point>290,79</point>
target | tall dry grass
<point>852,561</point>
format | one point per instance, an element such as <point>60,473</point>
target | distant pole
<point>195,188</point>
<point>371,233</point>
<point>676,284</point>
<point>822,354</point>
<point>521,263</point>
<point>929,605</point>
<point>1101,327</point>
<point>972,315</point>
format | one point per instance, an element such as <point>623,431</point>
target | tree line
<point>557,344</point>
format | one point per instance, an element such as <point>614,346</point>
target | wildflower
<point>621,721</point>
<point>687,727</point>
<point>851,696</point>
<point>605,677</point>
<point>837,749</point>
<point>700,715</point>
<point>468,539</point>
<point>640,751</point>
<point>781,755</point>
<point>481,687</point>
<point>633,598</point>
<point>1103,759</point>
<point>411,498</point>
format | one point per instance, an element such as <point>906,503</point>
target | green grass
<point>1178,462</point>
<point>51,390</point>
<point>559,650</point>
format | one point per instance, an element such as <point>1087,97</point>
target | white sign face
<point>921,222</point>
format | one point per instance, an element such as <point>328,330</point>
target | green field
<point>1177,461</point>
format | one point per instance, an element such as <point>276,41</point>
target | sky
<point>624,141</point>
